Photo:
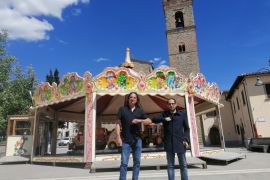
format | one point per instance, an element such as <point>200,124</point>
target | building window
<point>182,48</point>
<point>243,97</point>
<point>238,129</point>
<point>267,89</point>
<point>179,19</point>
<point>237,103</point>
<point>234,107</point>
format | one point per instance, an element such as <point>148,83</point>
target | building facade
<point>181,36</point>
<point>231,136</point>
<point>142,66</point>
<point>250,105</point>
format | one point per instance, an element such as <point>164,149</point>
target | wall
<point>243,120</point>
<point>230,133</point>
<point>260,105</point>
<point>208,122</point>
<point>140,66</point>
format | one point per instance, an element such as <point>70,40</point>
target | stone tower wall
<point>185,62</point>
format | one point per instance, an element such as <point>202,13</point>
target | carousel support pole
<point>90,126</point>
<point>34,134</point>
<point>202,128</point>
<point>222,140</point>
<point>54,134</point>
<point>194,142</point>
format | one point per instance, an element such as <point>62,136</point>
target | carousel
<point>90,104</point>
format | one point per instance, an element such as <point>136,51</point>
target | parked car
<point>64,141</point>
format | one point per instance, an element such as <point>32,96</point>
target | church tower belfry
<point>181,36</point>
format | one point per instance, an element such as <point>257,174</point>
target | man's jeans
<point>136,149</point>
<point>182,164</point>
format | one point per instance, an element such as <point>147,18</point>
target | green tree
<point>56,76</point>
<point>49,77</point>
<point>53,77</point>
<point>16,85</point>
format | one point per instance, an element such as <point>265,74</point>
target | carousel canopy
<point>161,83</point>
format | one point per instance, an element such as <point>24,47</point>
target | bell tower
<point>181,36</point>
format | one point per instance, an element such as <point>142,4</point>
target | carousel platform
<point>219,156</point>
<point>58,159</point>
<point>14,159</point>
<point>148,161</point>
<point>222,157</point>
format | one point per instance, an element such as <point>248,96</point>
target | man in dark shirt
<point>176,137</point>
<point>130,117</point>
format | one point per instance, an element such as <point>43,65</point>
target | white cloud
<point>163,66</point>
<point>158,62</point>
<point>76,12</point>
<point>62,41</point>
<point>22,18</point>
<point>157,59</point>
<point>161,63</point>
<point>101,59</point>
<point>85,1</point>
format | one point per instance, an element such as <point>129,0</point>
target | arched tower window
<point>182,48</point>
<point>179,19</point>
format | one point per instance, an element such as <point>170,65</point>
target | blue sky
<point>79,35</point>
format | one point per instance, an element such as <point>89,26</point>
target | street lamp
<point>259,82</point>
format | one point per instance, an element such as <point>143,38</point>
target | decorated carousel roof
<point>123,80</point>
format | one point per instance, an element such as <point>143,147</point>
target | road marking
<point>151,174</point>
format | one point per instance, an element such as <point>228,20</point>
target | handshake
<point>143,121</point>
<point>148,121</point>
